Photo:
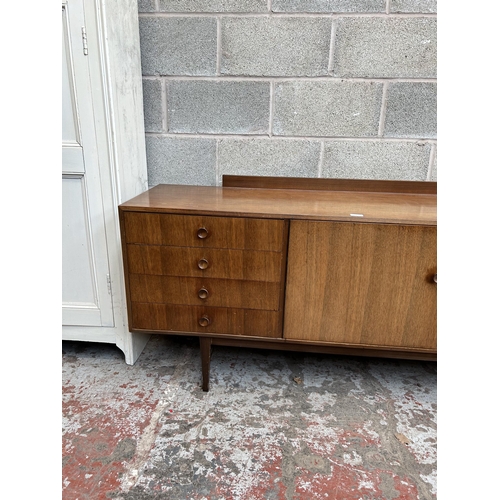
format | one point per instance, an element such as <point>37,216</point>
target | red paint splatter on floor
<point>351,483</point>
<point>95,453</point>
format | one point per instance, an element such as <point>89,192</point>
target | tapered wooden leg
<point>206,353</point>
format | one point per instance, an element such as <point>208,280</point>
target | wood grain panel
<point>221,293</point>
<point>297,345</point>
<point>359,185</point>
<point>368,284</point>
<point>142,228</point>
<point>383,207</point>
<point>174,318</point>
<point>223,232</point>
<point>225,263</point>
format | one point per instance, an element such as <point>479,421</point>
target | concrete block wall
<point>299,88</point>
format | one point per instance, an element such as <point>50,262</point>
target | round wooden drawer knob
<point>204,321</point>
<point>202,233</point>
<point>203,293</point>
<point>203,263</point>
<point>435,278</point>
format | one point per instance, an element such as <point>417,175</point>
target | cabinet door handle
<point>203,293</point>
<point>435,278</point>
<point>203,263</point>
<point>204,321</point>
<point>202,233</point>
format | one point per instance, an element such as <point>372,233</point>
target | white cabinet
<point>103,164</point>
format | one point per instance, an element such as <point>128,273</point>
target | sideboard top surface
<point>352,206</point>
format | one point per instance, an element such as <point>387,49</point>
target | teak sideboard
<point>318,265</point>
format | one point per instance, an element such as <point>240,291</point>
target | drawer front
<point>173,318</point>
<point>204,231</point>
<point>204,262</point>
<point>203,291</point>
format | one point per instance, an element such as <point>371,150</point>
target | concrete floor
<point>275,425</point>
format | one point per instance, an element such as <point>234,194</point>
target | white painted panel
<point>77,267</point>
<point>69,126</point>
<point>79,290</point>
<point>72,159</point>
<point>86,298</point>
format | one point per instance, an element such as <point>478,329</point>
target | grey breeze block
<point>385,47</point>
<point>419,6</point>
<point>376,160</point>
<point>339,109</point>
<point>328,5</point>
<point>178,45</point>
<point>218,107</point>
<point>266,157</point>
<point>181,161</point>
<point>411,110</point>
<point>152,102</point>
<point>146,5</point>
<point>213,5</point>
<point>263,46</point>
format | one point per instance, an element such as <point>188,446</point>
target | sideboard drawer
<point>204,231</point>
<point>208,291</point>
<point>205,262</point>
<point>201,319</point>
